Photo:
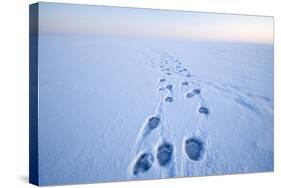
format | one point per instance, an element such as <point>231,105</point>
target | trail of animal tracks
<point>155,109</point>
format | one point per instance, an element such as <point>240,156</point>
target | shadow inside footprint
<point>168,73</point>
<point>184,83</point>
<point>169,86</point>
<point>203,110</point>
<point>162,80</point>
<point>189,95</point>
<point>161,89</point>
<point>164,153</point>
<point>194,148</point>
<point>153,122</point>
<point>143,163</point>
<point>196,91</point>
<point>169,99</point>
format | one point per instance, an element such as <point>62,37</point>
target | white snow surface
<point>96,95</point>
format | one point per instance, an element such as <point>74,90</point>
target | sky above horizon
<point>59,18</point>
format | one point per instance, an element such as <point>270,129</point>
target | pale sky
<point>115,21</point>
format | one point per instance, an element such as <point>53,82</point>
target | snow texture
<point>117,109</point>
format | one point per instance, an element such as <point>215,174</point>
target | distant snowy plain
<point>117,109</point>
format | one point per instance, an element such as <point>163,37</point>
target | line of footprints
<point>193,147</point>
